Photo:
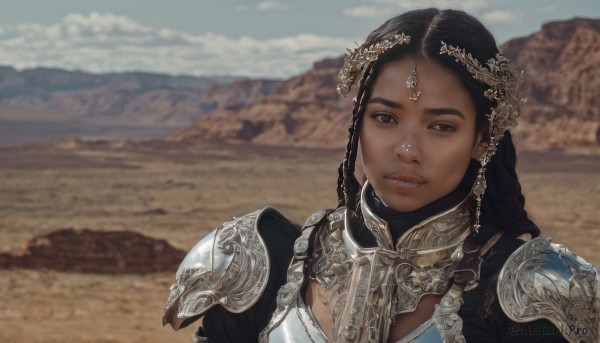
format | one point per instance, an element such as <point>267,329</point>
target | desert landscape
<point>94,224</point>
<point>178,192</point>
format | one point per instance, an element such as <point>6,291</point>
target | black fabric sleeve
<point>221,326</point>
<point>484,320</point>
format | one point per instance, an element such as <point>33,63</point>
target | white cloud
<point>270,5</point>
<point>106,42</point>
<point>502,16</point>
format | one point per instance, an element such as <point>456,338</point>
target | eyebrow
<point>444,110</point>
<point>433,111</point>
<point>385,102</point>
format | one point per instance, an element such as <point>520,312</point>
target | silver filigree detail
<point>230,266</point>
<point>289,293</point>
<point>414,282</point>
<point>446,318</point>
<point>546,280</point>
<point>367,287</point>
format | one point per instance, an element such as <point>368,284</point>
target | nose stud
<point>405,147</point>
<point>407,152</point>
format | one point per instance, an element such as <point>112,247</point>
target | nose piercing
<point>411,83</point>
<point>405,147</point>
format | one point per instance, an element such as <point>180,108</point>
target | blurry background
<point>129,129</point>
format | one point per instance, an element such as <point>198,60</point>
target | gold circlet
<point>357,59</point>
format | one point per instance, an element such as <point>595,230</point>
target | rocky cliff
<point>562,87</point>
<point>562,84</point>
<point>302,111</point>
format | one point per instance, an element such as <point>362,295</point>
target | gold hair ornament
<point>356,60</point>
<point>411,83</point>
<point>505,89</point>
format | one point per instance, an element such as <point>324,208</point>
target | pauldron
<point>543,280</point>
<point>229,266</point>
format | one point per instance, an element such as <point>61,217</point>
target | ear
<point>481,144</point>
<point>354,101</point>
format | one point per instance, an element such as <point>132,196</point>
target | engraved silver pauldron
<point>229,266</point>
<point>543,280</point>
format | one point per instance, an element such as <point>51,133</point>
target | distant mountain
<point>562,87</point>
<point>302,111</point>
<point>126,97</point>
<point>562,84</point>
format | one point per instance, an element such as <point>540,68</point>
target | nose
<point>407,150</point>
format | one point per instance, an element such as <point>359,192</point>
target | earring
<point>411,83</point>
<point>480,184</point>
<point>478,191</point>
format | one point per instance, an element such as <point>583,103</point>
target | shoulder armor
<point>543,280</point>
<point>229,266</point>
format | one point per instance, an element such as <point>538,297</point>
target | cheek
<point>364,154</point>
<point>453,160</point>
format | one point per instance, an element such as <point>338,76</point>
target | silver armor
<point>367,287</point>
<point>230,266</point>
<point>543,280</point>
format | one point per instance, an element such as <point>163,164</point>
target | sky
<point>254,38</point>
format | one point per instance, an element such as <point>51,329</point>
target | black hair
<point>503,205</point>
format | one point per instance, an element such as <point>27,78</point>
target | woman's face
<point>415,152</point>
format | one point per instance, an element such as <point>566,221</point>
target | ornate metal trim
<point>282,324</point>
<point>376,225</point>
<point>546,280</point>
<point>230,266</point>
<point>367,287</point>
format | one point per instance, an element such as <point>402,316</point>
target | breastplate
<point>367,287</point>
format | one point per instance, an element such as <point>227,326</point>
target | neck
<point>442,222</point>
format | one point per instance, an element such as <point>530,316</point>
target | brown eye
<point>383,118</point>
<point>443,127</point>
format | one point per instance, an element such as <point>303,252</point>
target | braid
<point>348,186</point>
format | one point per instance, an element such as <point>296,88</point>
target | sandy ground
<point>196,188</point>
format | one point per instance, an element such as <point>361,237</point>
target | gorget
<point>367,287</point>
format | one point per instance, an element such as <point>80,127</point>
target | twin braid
<point>348,188</point>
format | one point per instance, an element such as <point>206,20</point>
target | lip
<point>404,182</point>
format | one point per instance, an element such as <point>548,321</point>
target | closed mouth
<point>404,183</point>
<point>405,178</point>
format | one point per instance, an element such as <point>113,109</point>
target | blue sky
<point>247,38</point>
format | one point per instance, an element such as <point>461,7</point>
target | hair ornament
<point>356,60</point>
<point>505,89</point>
<point>411,83</point>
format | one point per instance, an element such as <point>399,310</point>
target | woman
<point>432,244</point>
